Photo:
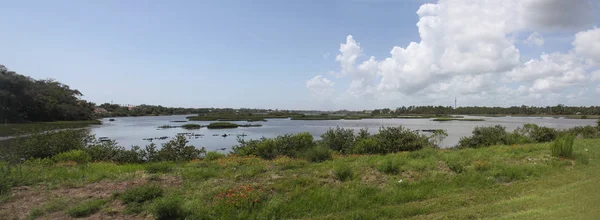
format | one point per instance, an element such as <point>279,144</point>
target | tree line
<point>482,110</point>
<point>24,99</point>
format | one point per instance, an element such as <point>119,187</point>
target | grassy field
<point>24,128</point>
<point>499,182</point>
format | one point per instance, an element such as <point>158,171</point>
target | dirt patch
<point>27,198</point>
<point>373,177</point>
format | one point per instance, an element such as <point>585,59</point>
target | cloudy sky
<point>327,54</point>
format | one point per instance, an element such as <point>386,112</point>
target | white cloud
<point>320,86</point>
<point>587,43</point>
<point>467,49</point>
<point>349,52</point>
<point>535,39</point>
<point>553,64</point>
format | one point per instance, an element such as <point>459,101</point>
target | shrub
<point>389,166</point>
<point>484,136</point>
<point>584,131</point>
<point>396,139</point>
<point>343,172</point>
<point>176,150</point>
<point>5,179</point>
<point>86,208</point>
<point>269,148</point>
<point>536,133</point>
<point>563,146</point>
<point>213,155</point>
<point>317,154</point>
<point>141,194</point>
<point>47,144</point>
<point>160,167</point>
<point>169,208</point>
<point>339,139</point>
<point>366,146</point>
<point>78,156</point>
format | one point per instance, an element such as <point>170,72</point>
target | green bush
<point>213,155</point>
<point>160,167</point>
<point>563,147</point>
<point>176,150</point>
<point>48,144</point>
<point>86,208</point>
<point>484,136</point>
<point>269,148</point>
<point>343,172</point>
<point>537,134</point>
<point>584,131</point>
<point>141,194</point>
<point>339,139</point>
<point>389,166</point>
<point>5,179</point>
<point>169,208</point>
<point>317,154</point>
<point>396,139</point>
<point>366,146</point>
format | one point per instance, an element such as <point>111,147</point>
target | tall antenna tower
<point>455,103</point>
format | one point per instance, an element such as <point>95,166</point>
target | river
<point>129,131</point>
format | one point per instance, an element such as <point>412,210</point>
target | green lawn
<point>24,128</point>
<point>499,182</point>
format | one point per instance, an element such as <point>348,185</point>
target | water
<point>128,131</point>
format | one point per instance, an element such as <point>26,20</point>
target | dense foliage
<point>25,99</point>
<point>529,133</point>
<point>77,146</point>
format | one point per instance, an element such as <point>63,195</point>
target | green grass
<point>221,125</point>
<point>497,182</point>
<point>25,128</point>
<point>458,119</point>
<point>86,208</point>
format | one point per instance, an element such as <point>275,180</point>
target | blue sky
<point>258,54</point>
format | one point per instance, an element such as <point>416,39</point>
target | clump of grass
<point>213,155</point>
<point>51,206</point>
<point>563,147</point>
<point>221,125</point>
<point>191,126</point>
<point>199,174</point>
<point>78,156</point>
<point>169,208</point>
<point>343,172</point>
<point>86,208</point>
<point>141,194</point>
<point>317,154</point>
<point>389,166</point>
<point>159,168</point>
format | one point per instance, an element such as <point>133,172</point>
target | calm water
<point>128,131</point>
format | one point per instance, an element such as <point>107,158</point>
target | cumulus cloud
<point>320,86</point>
<point>587,43</point>
<point>467,49</point>
<point>535,39</point>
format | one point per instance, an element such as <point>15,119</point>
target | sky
<point>310,54</point>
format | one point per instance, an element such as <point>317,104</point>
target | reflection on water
<point>128,131</point>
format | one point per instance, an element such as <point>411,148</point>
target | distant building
<point>99,110</point>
